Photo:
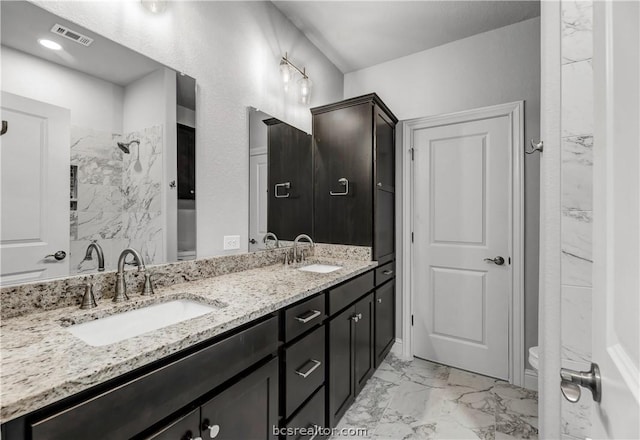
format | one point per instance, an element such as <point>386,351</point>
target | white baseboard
<point>531,379</point>
<point>398,349</point>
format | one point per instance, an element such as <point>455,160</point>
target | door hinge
<point>412,237</point>
<point>412,152</point>
<point>411,319</point>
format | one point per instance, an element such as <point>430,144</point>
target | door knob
<point>498,260</point>
<point>572,381</point>
<point>60,255</point>
<point>253,241</point>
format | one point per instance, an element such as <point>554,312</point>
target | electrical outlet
<point>231,242</point>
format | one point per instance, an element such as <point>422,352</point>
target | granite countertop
<point>41,362</point>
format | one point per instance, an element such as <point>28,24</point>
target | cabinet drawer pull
<point>308,316</point>
<point>306,374</point>
<point>387,272</point>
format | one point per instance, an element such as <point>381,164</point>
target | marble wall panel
<point>577,31</point>
<point>577,173</point>
<point>577,261</point>
<point>577,99</point>
<point>577,204</point>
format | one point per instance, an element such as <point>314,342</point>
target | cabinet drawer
<point>304,316</point>
<point>341,296</point>
<point>310,416</point>
<point>304,369</point>
<point>140,403</point>
<point>385,272</point>
<point>186,427</point>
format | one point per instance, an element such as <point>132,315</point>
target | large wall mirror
<point>280,182</point>
<point>98,147</point>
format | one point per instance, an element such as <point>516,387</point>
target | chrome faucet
<point>121,287</point>
<point>88,257</point>
<point>270,235</point>
<point>296,259</point>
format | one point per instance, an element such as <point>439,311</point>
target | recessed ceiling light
<point>49,44</point>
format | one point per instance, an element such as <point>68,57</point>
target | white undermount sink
<point>320,268</point>
<point>125,325</point>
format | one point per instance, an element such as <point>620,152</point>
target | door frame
<point>515,112</point>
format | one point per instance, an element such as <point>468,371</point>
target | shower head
<point>125,146</point>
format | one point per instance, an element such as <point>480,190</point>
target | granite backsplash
<point>19,300</point>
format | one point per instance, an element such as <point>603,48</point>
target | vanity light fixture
<point>49,44</point>
<point>287,70</point>
<point>155,6</point>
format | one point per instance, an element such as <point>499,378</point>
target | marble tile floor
<point>418,399</point>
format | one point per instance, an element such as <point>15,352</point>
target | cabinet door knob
<point>214,430</point>
<point>379,300</point>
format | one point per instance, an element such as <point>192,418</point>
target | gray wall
<point>233,50</point>
<point>494,67</point>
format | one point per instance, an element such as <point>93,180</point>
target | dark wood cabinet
<point>246,410</point>
<point>186,158</point>
<point>136,404</point>
<point>384,320</point>
<point>304,369</point>
<point>184,428</point>
<point>351,358</point>
<point>293,369</point>
<point>290,177</point>
<point>363,342</point>
<point>354,174</point>
<point>310,417</point>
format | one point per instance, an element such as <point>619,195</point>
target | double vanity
<point>245,347</point>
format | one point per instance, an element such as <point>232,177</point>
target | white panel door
<point>258,199</point>
<point>461,190</point>
<point>34,156</point>
<point>616,237</point>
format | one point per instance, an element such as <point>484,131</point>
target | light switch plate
<point>231,242</point>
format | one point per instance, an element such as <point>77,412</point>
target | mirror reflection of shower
<point>126,148</point>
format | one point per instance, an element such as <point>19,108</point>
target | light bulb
<point>285,72</point>
<point>304,86</point>
<point>155,6</point>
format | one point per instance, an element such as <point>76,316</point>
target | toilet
<point>533,357</point>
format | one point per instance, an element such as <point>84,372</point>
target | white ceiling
<point>359,34</point>
<point>24,23</point>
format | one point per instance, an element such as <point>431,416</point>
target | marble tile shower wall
<point>118,195</point>
<point>577,207</point>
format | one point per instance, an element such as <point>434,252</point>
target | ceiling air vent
<point>71,35</point>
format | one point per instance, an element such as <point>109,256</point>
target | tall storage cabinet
<point>290,176</point>
<point>354,170</point>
